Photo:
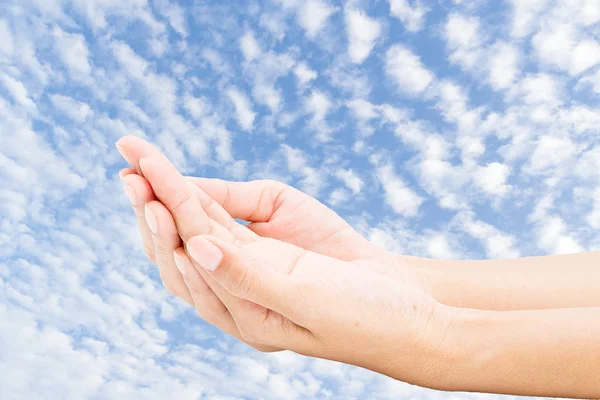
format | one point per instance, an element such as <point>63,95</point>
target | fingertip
<point>146,165</point>
<point>121,149</point>
<point>126,171</point>
<point>206,253</point>
<point>158,215</point>
<point>182,261</point>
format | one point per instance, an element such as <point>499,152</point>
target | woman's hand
<point>282,296</point>
<point>287,297</point>
<point>274,210</point>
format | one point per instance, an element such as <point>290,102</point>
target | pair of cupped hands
<point>296,277</point>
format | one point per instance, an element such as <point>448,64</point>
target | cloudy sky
<point>447,129</point>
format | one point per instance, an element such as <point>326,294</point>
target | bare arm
<point>527,283</point>
<point>536,353</point>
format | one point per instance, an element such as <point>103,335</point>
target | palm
<point>303,221</point>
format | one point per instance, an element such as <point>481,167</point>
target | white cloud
<point>411,16</point>
<point>77,111</point>
<point>268,95</point>
<point>592,80</point>
<point>555,239</point>
<point>525,14</point>
<point>338,196</point>
<point>175,14</point>
<point>552,233</point>
<point>72,49</point>
<point>497,243</point>
<point>312,15</point>
<point>561,45</point>
<point>362,109</point>
<point>438,247</point>
<point>503,68</point>
<point>406,69</point>
<point>311,179</point>
<point>401,198</point>
<point>585,55</point>
<point>6,44</point>
<point>463,39</point>
<point>318,104</point>
<point>304,74</point>
<point>243,109</point>
<point>538,89</point>
<point>350,179</point>
<point>135,65</point>
<point>196,106</point>
<point>249,46</point>
<point>18,91</point>
<point>492,178</point>
<point>550,152</point>
<point>362,31</point>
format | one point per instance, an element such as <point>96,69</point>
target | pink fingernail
<point>180,262</point>
<point>121,150</point>
<point>130,193</point>
<point>151,220</point>
<point>205,252</point>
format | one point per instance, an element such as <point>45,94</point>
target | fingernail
<point>151,220</point>
<point>122,150</point>
<point>205,253</point>
<point>180,262</point>
<point>130,193</point>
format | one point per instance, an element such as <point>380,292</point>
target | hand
<point>291,298</point>
<point>283,296</point>
<point>274,210</point>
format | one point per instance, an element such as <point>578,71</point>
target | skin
<point>273,209</point>
<point>287,281</point>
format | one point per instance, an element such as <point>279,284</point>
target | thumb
<point>238,272</point>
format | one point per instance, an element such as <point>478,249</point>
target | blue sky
<point>446,129</point>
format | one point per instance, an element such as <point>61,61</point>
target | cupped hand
<point>282,296</point>
<point>275,211</point>
<point>279,211</point>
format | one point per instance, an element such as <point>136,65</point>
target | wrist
<point>430,358</point>
<point>431,275</point>
<point>448,281</point>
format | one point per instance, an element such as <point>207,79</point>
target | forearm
<point>535,353</point>
<point>526,283</point>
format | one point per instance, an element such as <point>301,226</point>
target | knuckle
<point>213,317</point>
<point>161,248</point>
<point>196,291</point>
<point>187,195</point>
<point>240,282</point>
<point>150,253</point>
<point>252,333</point>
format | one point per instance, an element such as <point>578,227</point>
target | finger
<point>247,316</point>
<point>139,193</point>
<point>133,149</point>
<point>126,171</point>
<point>166,239</point>
<point>253,201</point>
<point>179,196</point>
<point>222,217</point>
<point>217,214</point>
<point>208,305</point>
<point>242,276</point>
<point>238,272</point>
